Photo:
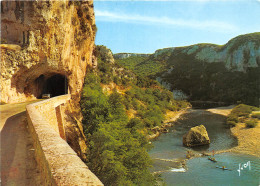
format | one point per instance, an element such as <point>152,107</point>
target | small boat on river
<point>223,168</point>
<point>212,159</point>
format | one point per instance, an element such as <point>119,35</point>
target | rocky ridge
<point>127,55</point>
<point>207,72</point>
<point>238,54</point>
<point>105,54</point>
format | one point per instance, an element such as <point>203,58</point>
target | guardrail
<point>58,163</point>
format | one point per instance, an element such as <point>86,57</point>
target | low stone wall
<point>58,163</point>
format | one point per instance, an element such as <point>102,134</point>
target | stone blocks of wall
<point>58,163</point>
<point>49,109</point>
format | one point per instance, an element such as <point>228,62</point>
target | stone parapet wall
<point>49,109</point>
<point>58,163</point>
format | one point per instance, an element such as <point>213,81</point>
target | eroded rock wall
<point>245,55</point>
<point>56,37</point>
<point>127,55</point>
<point>41,39</point>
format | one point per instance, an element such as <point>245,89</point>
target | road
<point>18,165</point>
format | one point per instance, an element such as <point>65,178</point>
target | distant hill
<point>127,55</point>
<point>207,72</point>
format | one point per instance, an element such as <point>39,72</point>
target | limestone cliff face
<point>105,54</point>
<point>46,48</point>
<point>208,72</point>
<point>56,37</point>
<point>126,55</point>
<point>238,54</point>
<point>165,53</point>
<point>227,73</point>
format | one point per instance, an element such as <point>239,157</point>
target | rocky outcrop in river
<point>196,136</point>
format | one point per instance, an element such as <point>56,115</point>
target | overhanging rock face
<point>46,48</point>
<point>41,39</point>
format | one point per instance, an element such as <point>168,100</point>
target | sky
<point>145,26</point>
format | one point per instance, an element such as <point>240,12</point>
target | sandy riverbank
<point>170,116</point>
<point>222,110</point>
<point>248,138</point>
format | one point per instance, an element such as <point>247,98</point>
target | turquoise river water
<point>168,153</point>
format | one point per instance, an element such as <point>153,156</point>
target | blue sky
<point>145,26</point>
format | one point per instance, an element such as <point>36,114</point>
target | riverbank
<point>222,110</point>
<point>170,117</point>
<point>170,157</point>
<point>248,138</point>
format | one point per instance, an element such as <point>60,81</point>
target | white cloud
<point>140,19</point>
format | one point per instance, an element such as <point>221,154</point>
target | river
<point>168,155</point>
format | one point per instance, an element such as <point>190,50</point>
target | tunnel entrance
<point>53,84</point>
<point>56,85</point>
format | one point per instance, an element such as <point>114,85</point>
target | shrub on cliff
<point>242,110</point>
<point>116,153</point>
<point>143,66</point>
<point>232,118</point>
<point>231,123</point>
<point>201,75</point>
<point>256,115</point>
<point>239,114</point>
<point>117,144</point>
<point>251,123</point>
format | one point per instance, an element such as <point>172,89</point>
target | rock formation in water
<point>46,47</point>
<point>196,136</point>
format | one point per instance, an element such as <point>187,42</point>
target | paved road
<point>18,165</point>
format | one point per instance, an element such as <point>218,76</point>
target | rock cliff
<point>46,47</point>
<point>126,55</point>
<point>238,54</point>
<point>207,72</point>
<point>105,54</point>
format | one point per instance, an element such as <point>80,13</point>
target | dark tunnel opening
<point>55,85</point>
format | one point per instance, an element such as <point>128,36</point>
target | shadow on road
<point>18,165</point>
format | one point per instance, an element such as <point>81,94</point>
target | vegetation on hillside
<point>212,81</point>
<point>117,144</point>
<point>201,80</point>
<point>242,39</point>
<point>243,114</point>
<point>142,66</point>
